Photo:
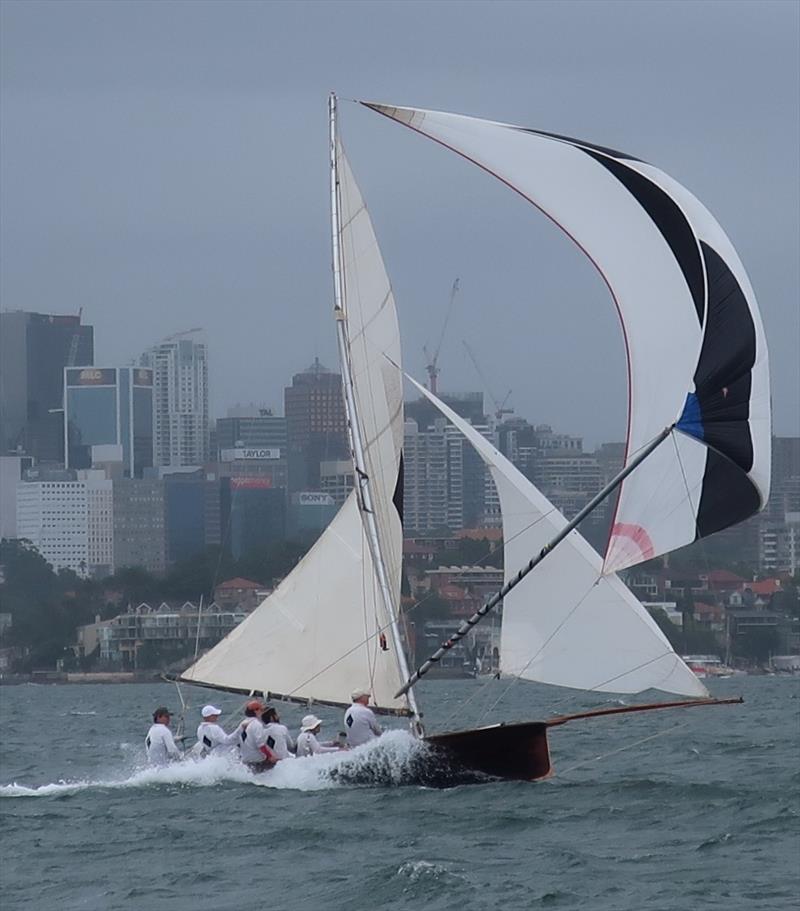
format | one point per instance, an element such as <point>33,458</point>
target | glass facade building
<point>109,407</point>
<point>34,350</point>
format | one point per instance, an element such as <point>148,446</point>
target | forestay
<point>695,344</point>
<point>565,623</point>
<point>316,636</point>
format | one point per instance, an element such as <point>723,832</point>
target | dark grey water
<point>687,808</point>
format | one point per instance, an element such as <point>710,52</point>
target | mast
<point>354,428</point>
<point>497,598</point>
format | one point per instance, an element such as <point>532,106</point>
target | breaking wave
<point>393,760</point>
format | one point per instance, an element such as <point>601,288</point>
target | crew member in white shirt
<point>360,721</point>
<point>278,738</point>
<point>211,737</point>
<point>307,743</point>
<point>255,753</point>
<point>159,743</point>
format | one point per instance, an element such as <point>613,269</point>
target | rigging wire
<point>621,749</point>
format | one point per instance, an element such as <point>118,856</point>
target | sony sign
<point>255,454</point>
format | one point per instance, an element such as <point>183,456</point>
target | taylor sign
<point>237,455</point>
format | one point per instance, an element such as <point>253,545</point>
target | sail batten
<point>694,340</point>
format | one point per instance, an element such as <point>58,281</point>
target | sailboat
<point>697,458</point>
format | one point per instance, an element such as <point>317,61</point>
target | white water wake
<point>387,761</point>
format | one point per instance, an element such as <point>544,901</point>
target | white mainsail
<point>697,355</point>
<point>326,628</point>
<point>316,636</point>
<point>566,623</point>
<point>373,336</point>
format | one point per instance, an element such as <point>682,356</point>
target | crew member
<point>159,742</point>
<point>278,738</point>
<point>211,737</point>
<point>255,753</point>
<point>307,743</point>
<point>360,721</point>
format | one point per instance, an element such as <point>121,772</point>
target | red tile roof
<point>239,583</point>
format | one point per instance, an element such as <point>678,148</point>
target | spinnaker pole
<point>476,618</point>
<point>354,431</point>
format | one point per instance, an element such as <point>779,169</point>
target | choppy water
<point>687,808</point>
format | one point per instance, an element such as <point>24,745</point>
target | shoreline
<point>52,678</point>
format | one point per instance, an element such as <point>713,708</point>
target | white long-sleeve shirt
<point>308,745</point>
<point>279,740</point>
<point>160,745</point>
<point>211,738</point>
<point>253,736</point>
<point>361,725</point>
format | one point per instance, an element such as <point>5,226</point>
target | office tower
<point>180,400</point>
<point>68,517</point>
<point>253,514</point>
<point>251,428</point>
<point>192,513</point>
<point>34,350</point>
<point>139,524</point>
<point>425,478</point>
<point>12,469</point>
<point>316,427</point>
<point>109,407</point>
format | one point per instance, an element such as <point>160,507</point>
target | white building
<point>70,522</point>
<point>337,478</point>
<point>180,401</point>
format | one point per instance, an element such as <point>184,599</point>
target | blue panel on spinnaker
<point>691,421</point>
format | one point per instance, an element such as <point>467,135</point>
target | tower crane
<point>499,406</point>
<point>169,338</point>
<point>431,362</point>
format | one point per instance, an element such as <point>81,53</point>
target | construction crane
<point>499,407</point>
<point>74,342</point>
<point>431,362</point>
<point>169,338</point>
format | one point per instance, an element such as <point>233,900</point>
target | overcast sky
<point>164,166</point>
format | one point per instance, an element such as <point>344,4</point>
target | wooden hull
<point>513,751</point>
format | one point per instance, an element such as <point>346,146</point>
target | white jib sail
<point>567,624</point>
<point>316,636</point>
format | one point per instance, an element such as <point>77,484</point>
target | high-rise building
<point>139,524</point>
<point>180,401</point>
<point>337,478</point>
<point>251,428</point>
<point>192,513</point>
<point>425,479</point>
<point>34,350</point>
<point>109,407</point>
<point>316,427</point>
<point>253,514</point>
<point>445,481</point>
<point>12,469</point>
<point>69,518</point>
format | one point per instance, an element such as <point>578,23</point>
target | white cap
<point>358,692</point>
<point>209,710</point>
<point>309,723</point>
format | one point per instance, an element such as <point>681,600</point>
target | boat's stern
<point>511,751</point>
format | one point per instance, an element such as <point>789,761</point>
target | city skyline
<point>193,191</point>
